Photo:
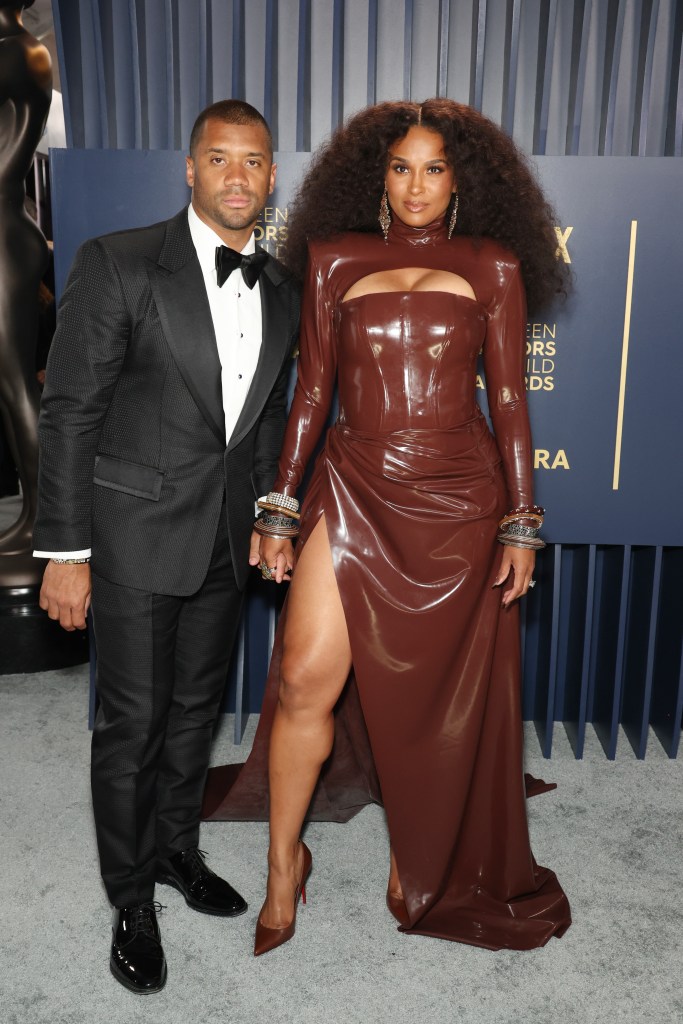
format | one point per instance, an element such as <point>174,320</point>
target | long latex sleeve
<point>316,374</point>
<point>504,359</point>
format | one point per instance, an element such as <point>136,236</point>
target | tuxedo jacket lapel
<point>178,288</point>
<point>275,333</point>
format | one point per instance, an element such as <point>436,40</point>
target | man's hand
<point>65,594</point>
<point>277,554</point>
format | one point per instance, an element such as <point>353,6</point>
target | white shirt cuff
<point>85,553</point>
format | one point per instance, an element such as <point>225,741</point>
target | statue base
<point>29,641</point>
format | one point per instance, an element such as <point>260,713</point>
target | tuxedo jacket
<point>134,460</point>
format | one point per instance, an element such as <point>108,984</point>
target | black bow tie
<point>228,260</point>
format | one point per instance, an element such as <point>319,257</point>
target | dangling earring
<point>384,215</point>
<point>454,215</point>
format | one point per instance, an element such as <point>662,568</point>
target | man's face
<point>231,175</point>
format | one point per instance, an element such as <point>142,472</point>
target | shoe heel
<point>303,894</point>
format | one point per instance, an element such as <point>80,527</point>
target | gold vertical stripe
<point>624,355</point>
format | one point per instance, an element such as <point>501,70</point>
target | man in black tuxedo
<point>162,420</point>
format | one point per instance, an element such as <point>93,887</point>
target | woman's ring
<point>266,571</point>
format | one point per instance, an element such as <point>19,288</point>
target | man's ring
<point>532,583</point>
<point>266,571</point>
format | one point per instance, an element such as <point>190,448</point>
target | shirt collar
<point>205,241</point>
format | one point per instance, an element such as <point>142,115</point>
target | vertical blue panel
<point>270,91</point>
<point>544,77</point>
<point>303,85</point>
<point>622,635</point>
<point>170,74</point>
<point>68,40</point>
<point>238,86</point>
<point>203,55</point>
<point>586,654</point>
<point>568,697</point>
<point>478,49</point>
<point>610,566</point>
<point>337,113</point>
<point>583,10</point>
<point>136,65</point>
<point>120,61</point>
<point>615,37</point>
<point>408,51</point>
<point>511,58</point>
<point>651,647</point>
<point>644,78</point>
<point>373,15</point>
<point>221,50</point>
<point>95,121</point>
<point>678,119</point>
<point>539,646</point>
<point>547,745</point>
<point>642,616</point>
<point>444,25</point>
<point>667,678</point>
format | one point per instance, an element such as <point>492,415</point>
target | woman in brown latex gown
<point>399,575</point>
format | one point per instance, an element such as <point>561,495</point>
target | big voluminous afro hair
<point>499,196</point>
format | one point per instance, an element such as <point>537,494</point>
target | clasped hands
<point>277,555</point>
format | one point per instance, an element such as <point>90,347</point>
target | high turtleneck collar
<point>430,234</point>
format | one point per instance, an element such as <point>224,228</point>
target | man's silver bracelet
<point>69,561</point>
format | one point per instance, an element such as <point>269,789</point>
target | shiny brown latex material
<point>412,486</point>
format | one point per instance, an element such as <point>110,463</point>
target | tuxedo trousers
<point>161,669</point>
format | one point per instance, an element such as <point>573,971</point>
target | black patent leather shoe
<point>137,957</point>
<point>203,890</point>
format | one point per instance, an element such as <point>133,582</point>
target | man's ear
<point>189,171</point>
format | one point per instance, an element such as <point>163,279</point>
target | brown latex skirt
<point>430,724</point>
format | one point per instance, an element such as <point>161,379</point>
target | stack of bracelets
<point>514,530</point>
<point>279,517</point>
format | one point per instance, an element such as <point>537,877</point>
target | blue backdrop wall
<point>603,628</point>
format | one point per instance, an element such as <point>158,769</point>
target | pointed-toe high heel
<point>270,938</point>
<point>397,906</point>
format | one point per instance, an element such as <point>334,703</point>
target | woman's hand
<point>521,562</point>
<point>277,554</point>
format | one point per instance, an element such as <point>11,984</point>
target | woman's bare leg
<point>315,664</point>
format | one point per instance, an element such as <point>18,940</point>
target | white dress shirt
<point>236,315</point>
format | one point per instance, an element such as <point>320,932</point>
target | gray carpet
<point>613,832</point>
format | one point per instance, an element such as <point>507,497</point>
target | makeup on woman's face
<point>419,179</point>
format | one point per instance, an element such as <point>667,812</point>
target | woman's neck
<point>10,22</point>
<point>429,234</point>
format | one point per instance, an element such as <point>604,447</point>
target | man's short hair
<point>230,112</point>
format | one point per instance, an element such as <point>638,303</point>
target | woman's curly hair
<point>499,196</point>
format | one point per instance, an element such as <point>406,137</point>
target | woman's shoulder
<point>349,244</point>
<point>488,251</point>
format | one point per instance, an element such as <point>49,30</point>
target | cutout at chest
<point>410,279</point>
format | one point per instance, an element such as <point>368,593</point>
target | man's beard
<point>237,220</point>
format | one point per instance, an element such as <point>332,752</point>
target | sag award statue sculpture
<point>25,94</point>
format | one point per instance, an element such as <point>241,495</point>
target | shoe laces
<point>142,921</point>
<point>195,859</point>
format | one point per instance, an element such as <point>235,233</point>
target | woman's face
<point>419,179</point>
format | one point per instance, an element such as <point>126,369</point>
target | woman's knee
<point>303,686</point>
